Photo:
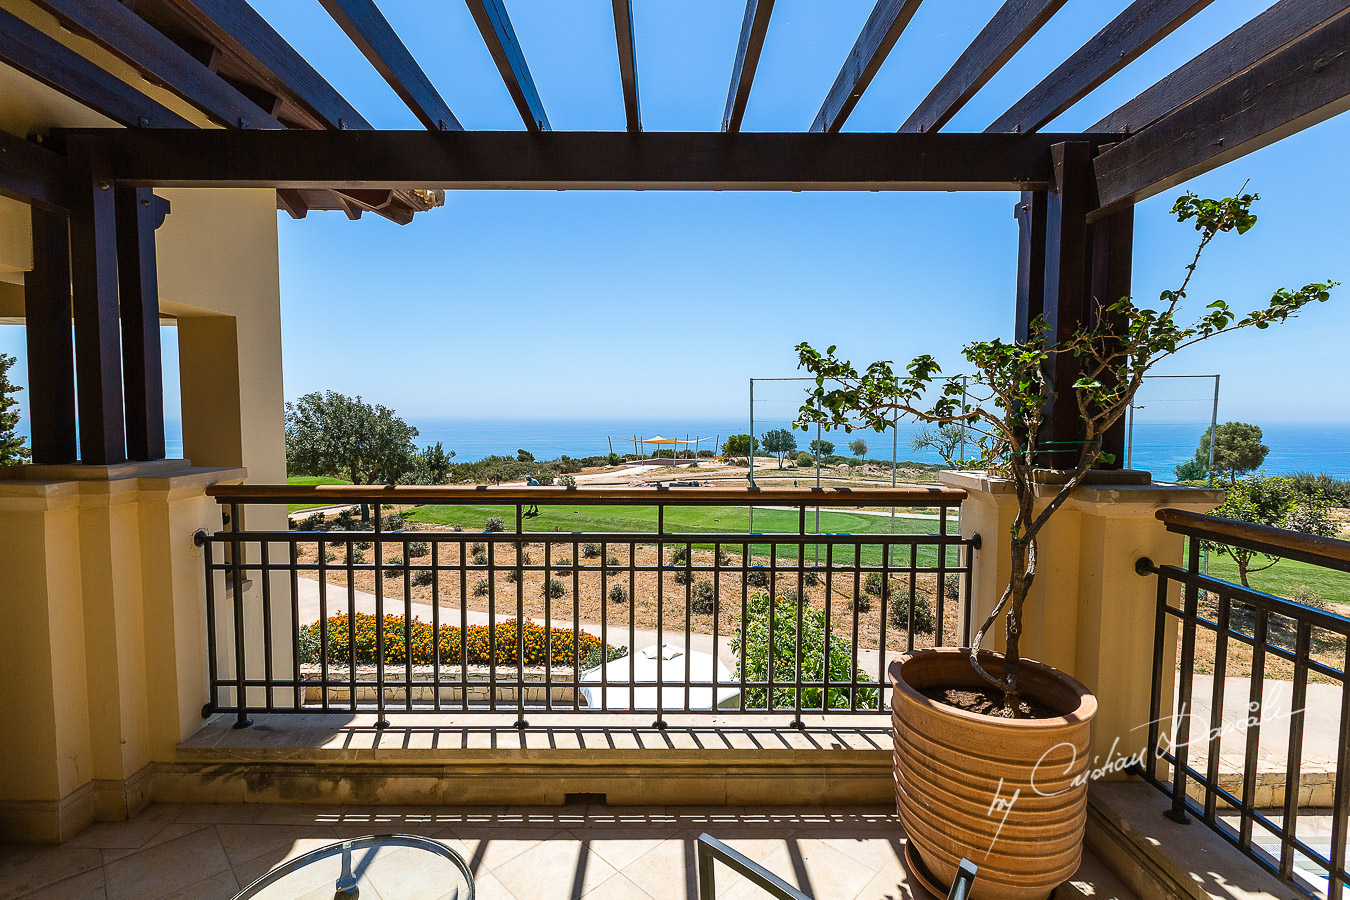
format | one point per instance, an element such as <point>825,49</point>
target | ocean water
<point>1155,447</point>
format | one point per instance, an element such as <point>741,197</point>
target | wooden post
<point>1066,291</point>
<point>142,368</point>
<point>1112,242</point>
<point>93,265</point>
<point>51,352</point>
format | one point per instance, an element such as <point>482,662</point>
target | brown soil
<point>591,585</point>
<point>986,702</point>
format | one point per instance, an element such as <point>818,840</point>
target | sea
<point>1157,447</point>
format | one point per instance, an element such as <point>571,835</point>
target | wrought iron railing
<point>1250,771</point>
<point>666,610</point>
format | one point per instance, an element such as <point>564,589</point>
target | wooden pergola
<point>283,126</point>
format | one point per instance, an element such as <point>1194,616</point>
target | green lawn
<point>1285,577</point>
<point>311,479</point>
<point>708,519</point>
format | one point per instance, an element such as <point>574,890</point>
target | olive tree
<point>779,442</point>
<point>1120,342</point>
<point>1277,501</point>
<point>332,434</point>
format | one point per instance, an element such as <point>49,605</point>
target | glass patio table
<point>389,865</point>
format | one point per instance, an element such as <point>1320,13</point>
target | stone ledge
<point>478,759</point>
<point>1161,860</point>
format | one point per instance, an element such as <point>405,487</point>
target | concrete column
<point>103,648</point>
<point>1089,614</point>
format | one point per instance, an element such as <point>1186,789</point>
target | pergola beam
<point>1124,39</point>
<point>237,27</point>
<point>754,26</point>
<point>1300,86</point>
<point>372,34</point>
<point>471,160</point>
<point>1267,34</point>
<point>887,21</point>
<point>495,26</point>
<point>1015,23</point>
<point>120,31</point>
<point>57,66</point>
<point>623,35</point>
<point>32,174</point>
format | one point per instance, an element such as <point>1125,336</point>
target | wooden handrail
<point>341,494</point>
<point>1262,538</point>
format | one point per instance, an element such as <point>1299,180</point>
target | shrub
<point>328,555</point>
<point>456,527</point>
<point>562,565</point>
<point>423,578</point>
<point>345,519</point>
<point>313,522</point>
<point>525,558</point>
<point>480,588</point>
<point>362,545</point>
<point>480,557</point>
<point>511,576</point>
<point>544,478</point>
<point>706,454</point>
<point>567,481</point>
<point>568,465</point>
<point>476,548</point>
<point>418,549</point>
<point>805,460</point>
<point>783,658</point>
<point>593,659</point>
<point>524,456</point>
<point>723,557</point>
<point>898,612</point>
<point>613,459</point>
<point>874,583</point>
<point>1308,597</point>
<point>951,587</point>
<point>477,642</point>
<point>757,577</point>
<point>811,578</point>
<point>862,603</point>
<point>393,522</point>
<point>679,556</point>
<point>612,565</point>
<point>701,598</point>
<point>737,461</point>
<point>494,523</point>
<point>791,596</point>
<point>590,551</point>
<point>553,588</point>
<point>618,594</point>
<point>357,556</point>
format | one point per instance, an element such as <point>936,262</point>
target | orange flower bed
<point>484,645</point>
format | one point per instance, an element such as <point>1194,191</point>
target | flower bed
<point>480,642</point>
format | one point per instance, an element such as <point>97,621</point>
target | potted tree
<point>972,725</point>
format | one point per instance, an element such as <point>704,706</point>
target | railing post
<point>381,720</point>
<point>240,660</point>
<point>1181,716</point>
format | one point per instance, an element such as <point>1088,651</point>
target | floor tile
<point>222,886</point>
<point>491,848</point>
<point>87,886</point>
<point>667,871</point>
<point>621,846</point>
<point>167,867</point>
<point>617,887</point>
<point>26,869</point>
<point>816,869</point>
<point>246,842</point>
<point>406,873</point>
<point>558,869</point>
<point>131,834</point>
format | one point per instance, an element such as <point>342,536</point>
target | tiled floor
<point>601,853</point>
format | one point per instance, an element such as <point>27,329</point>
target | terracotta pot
<point>964,781</point>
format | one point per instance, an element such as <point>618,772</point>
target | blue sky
<point>625,304</point>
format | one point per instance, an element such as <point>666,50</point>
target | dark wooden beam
<point>469,160</point>
<point>57,66</point>
<point>1030,215</point>
<point>1111,262</point>
<point>883,28</point>
<point>51,351</point>
<point>1273,30</point>
<point>32,174</point>
<point>1065,306</point>
<point>138,288</point>
<point>754,27</point>
<point>372,34</point>
<point>293,202</point>
<point>235,26</point>
<point>495,26</point>
<point>1015,23</point>
<point>93,267</point>
<point>119,30</point>
<point>623,34</point>
<point>1124,39</point>
<point>1302,85</point>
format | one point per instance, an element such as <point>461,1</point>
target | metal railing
<point>677,618</point>
<point>1295,827</point>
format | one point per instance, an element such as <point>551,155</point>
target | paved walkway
<point>209,852</point>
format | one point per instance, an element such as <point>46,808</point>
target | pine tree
<point>13,448</point>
